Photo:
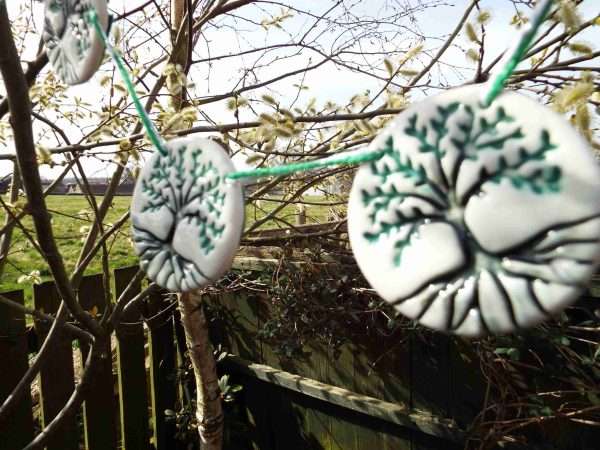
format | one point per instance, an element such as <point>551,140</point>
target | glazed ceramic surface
<point>187,219</point>
<point>74,49</point>
<point>478,220</point>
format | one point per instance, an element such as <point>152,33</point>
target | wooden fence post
<point>131,358</point>
<point>17,431</point>
<point>99,409</point>
<point>57,379</point>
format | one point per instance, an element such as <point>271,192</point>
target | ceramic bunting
<point>477,220</point>
<point>187,219</point>
<point>74,50</point>
<point>477,213</point>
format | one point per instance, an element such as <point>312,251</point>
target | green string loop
<point>358,157</point>
<point>156,139</point>
<point>516,54</point>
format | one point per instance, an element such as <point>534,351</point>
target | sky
<point>328,83</point>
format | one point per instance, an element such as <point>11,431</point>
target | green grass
<point>71,218</point>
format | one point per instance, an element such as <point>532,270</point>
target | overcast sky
<point>325,84</point>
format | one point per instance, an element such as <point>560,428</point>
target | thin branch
<point>46,318</point>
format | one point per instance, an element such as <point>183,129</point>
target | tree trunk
<point>209,410</point>
<point>177,14</point>
<point>181,50</point>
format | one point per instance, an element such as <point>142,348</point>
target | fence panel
<point>17,430</point>
<point>131,368</point>
<point>279,417</point>
<point>395,373</point>
<point>57,378</point>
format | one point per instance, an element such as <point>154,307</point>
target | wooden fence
<point>125,406</point>
<point>316,402</point>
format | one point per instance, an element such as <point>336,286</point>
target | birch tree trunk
<point>209,410</point>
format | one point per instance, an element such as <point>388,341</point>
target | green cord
<point>496,85</point>
<point>516,55</point>
<point>358,157</point>
<point>153,135</point>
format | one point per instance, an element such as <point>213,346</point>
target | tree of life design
<point>440,197</point>
<point>67,36</point>
<point>460,154</point>
<point>186,189</point>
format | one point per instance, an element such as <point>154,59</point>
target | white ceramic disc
<point>74,48</point>
<point>478,220</point>
<point>187,219</point>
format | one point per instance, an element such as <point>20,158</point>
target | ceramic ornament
<point>478,220</point>
<point>74,49</point>
<point>187,219</point>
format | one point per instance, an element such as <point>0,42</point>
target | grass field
<point>71,218</point>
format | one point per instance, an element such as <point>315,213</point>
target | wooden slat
<point>393,368</point>
<point>131,369</point>
<point>162,371</point>
<point>57,379</point>
<point>242,316</point>
<point>100,408</point>
<point>308,418</point>
<point>367,382</point>
<point>430,379</point>
<point>318,417</point>
<point>17,430</point>
<point>259,401</point>
<point>343,435</point>
<point>297,423</point>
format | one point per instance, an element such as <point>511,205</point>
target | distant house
<point>59,189</point>
<point>98,186</point>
